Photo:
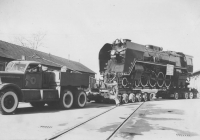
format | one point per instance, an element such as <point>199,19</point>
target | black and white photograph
<point>99,70</point>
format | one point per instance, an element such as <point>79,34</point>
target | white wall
<point>195,82</point>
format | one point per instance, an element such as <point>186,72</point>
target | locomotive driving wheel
<point>144,80</point>
<point>167,80</point>
<point>160,79</point>
<point>152,79</point>
<point>137,83</point>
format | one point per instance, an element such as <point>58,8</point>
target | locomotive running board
<point>159,64</point>
<point>133,64</point>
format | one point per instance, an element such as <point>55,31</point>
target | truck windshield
<point>15,67</point>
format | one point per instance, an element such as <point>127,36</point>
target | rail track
<point>64,132</point>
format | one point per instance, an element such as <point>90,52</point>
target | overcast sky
<point>77,29</point>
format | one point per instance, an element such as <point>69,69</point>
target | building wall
<point>3,63</point>
<point>195,82</point>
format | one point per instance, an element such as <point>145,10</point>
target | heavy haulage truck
<point>144,71</point>
<point>30,81</point>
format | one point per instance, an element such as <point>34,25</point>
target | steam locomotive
<point>137,68</point>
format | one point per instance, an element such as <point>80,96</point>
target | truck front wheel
<point>80,99</point>
<point>8,102</point>
<point>66,99</point>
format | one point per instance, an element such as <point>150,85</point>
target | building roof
<point>14,52</point>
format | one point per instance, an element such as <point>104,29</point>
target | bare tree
<point>34,42</point>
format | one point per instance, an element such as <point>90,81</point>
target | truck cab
<point>30,81</point>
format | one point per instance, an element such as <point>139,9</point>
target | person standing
<point>114,89</point>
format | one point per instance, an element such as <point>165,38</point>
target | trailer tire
<point>176,95</point>
<point>139,97</point>
<point>125,98</point>
<point>37,104</point>
<point>191,95</point>
<point>66,99</point>
<point>80,99</point>
<point>185,95</point>
<point>8,102</point>
<point>144,97</point>
<point>150,97</point>
<point>132,98</point>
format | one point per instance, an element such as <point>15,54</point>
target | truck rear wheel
<point>66,99</point>
<point>37,104</point>
<point>80,99</point>
<point>8,102</point>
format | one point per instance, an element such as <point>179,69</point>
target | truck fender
<point>12,86</point>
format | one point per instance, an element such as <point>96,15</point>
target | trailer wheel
<point>80,99</point>
<point>37,104</point>
<point>66,99</point>
<point>150,97</point>
<point>139,97</point>
<point>176,96</point>
<point>8,102</point>
<point>144,97</point>
<point>185,95</point>
<point>119,98</point>
<point>132,98</point>
<point>191,95</point>
<point>125,98</point>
